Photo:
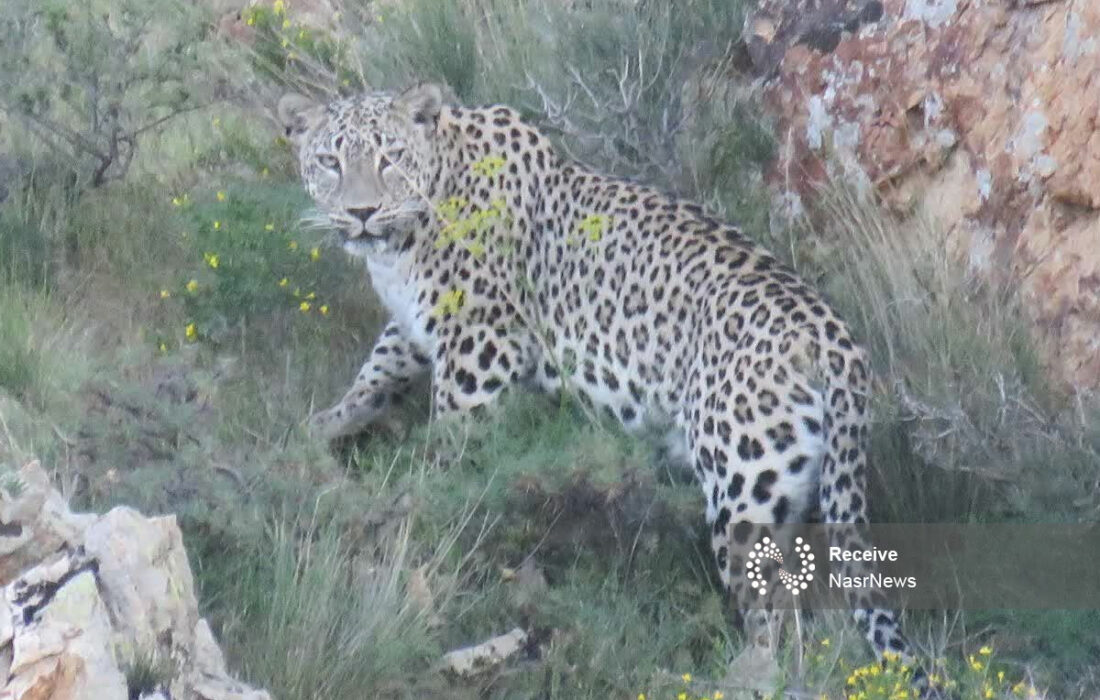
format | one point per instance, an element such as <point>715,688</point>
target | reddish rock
<point>983,112</point>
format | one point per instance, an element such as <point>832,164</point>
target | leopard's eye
<point>330,162</point>
<point>385,160</point>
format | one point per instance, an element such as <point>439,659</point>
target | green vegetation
<point>89,80</point>
<point>166,331</point>
<point>146,674</point>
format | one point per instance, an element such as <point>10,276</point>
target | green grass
<point>19,366</point>
<point>146,674</point>
<point>311,614</point>
<point>37,345</point>
<point>23,248</point>
<point>465,505</point>
<point>426,40</point>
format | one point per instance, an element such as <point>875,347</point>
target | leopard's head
<point>366,160</point>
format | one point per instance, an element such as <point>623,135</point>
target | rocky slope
<point>99,607</point>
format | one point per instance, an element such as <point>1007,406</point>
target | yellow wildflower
<point>825,642</point>
<point>211,259</point>
<point>164,294</point>
<point>190,332</point>
<point>488,166</point>
<point>216,122</point>
<point>251,20</point>
<point>315,254</point>
<point>286,24</point>
<point>269,227</point>
<point>719,695</point>
<point>988,692</point>
<point>220,196</point>
<point>163,347</point>
<point>293,245</point>
<point>217,225</point>
<point>452,209</point>
<point>324,309</point>
<point>641,696</point>
<point>686,678</point>
<point>193,286</point>
<point>297,292</point>
<point>1001,676</point>
<point>593,226</point>
<point>284,282</point>
<point>279,7</point>
<point>311,296</point>
<point>304,306</point>
<point>450,302</point>
<point>264,172</point>
<point>682,696</point>
<point>985,651</point>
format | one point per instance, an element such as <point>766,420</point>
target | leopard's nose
<point>363,214</point>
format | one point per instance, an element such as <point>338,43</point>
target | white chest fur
<point>391,275</point>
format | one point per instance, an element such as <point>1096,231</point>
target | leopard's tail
<point>846,395</point>
<point>843,497</point>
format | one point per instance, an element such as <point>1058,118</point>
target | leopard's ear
<point>298,115</point>
<point>421,104</point>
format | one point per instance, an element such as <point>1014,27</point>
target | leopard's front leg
<point>476,362</point>
<point>392,365</point>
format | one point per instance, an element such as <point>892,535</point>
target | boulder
<point>984,113</point>
<point>92,603</point>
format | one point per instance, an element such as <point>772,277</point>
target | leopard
<point>503,263</point>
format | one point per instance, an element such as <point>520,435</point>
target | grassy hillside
<point>165,333</point>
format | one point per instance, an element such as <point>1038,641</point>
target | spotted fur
<point>642,304</point>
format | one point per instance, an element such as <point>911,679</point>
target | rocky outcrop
<point>983,112</point>
<point>99,607</point>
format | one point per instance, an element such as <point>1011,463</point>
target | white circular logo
<point>793,582</point>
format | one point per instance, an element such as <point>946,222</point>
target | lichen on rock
<point>983,113</point>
